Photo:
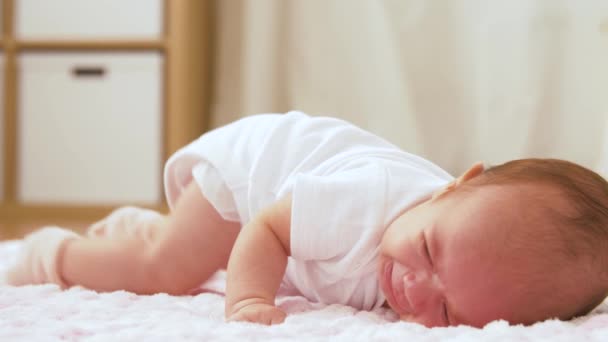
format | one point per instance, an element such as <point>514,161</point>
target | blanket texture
<point>45,313</point>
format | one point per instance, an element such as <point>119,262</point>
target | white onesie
<point>346,184</point>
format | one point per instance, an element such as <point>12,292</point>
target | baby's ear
<point>471,173</point>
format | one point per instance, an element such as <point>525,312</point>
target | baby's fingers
<point>259,313</point>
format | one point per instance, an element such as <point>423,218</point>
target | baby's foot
<point>38,259</point>
<point>127,222</point>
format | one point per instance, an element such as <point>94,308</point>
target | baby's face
<point>442,263</point>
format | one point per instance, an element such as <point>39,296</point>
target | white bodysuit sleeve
<point>338,215</point>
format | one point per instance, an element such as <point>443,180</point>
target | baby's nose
<point>421,288</point>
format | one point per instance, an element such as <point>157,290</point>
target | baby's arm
<point>257,265</point>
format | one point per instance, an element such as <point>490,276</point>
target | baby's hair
<point>581,225</point>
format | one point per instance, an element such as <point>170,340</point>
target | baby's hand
<point>259,313</point>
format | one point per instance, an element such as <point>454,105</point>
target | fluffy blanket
<point>45,313</point>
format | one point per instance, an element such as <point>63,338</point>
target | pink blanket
<point>44,313</point>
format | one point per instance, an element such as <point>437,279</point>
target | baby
<point>322,208</point>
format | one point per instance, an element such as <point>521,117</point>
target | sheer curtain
<point>453,81</point>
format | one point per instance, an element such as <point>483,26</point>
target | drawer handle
<point>80,71</point>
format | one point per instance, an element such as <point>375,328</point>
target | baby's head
<point>523,241</point>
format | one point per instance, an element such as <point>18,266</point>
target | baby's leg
<point>194,242</point>
<point>127,222</point>
<point>37,262</point>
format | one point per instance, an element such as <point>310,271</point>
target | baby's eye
<point>425,250</point>
<point>446,317</point>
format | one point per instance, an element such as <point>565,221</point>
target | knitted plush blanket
<point>45,313</point>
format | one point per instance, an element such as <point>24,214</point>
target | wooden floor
<point>18,230</point>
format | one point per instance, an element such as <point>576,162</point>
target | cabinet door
<point>88,19</point>
<point>89,128</point>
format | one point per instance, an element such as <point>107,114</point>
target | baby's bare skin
<point>257,265</point>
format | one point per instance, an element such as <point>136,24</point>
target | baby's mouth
<point>394,280</point>
<point>398,279</point>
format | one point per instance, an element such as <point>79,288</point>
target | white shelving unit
<point>95,95</point>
